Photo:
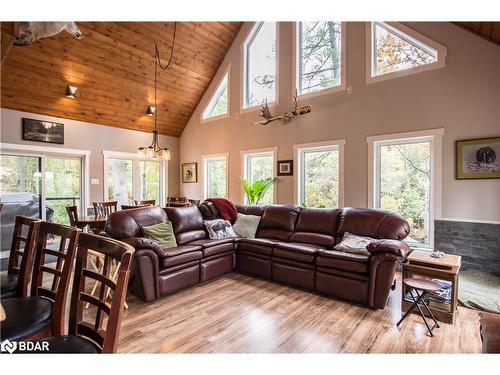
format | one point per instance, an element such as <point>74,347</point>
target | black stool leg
<point>420,298</point>
<point>410,310</point>
<point>436,323</point>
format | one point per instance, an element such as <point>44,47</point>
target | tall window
<point>404,182</point>
<point>259,166</point>
<point>129,178</point>
<point>396,48</point>
<point>259,65</point>
<point>218,105</point>
<point>119,178</point>
<point>149,180</point>
<point>319,51</point>
<point>319,176</point>
<point>215,174</point>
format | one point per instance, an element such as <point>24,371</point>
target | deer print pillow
<point>219,228</point>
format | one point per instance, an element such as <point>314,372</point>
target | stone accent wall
<point>477,243</point>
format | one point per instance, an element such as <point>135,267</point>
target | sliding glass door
<point>37,186</point>
<point>62,187</point>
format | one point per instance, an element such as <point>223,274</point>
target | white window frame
<point>298,154</point>
<point>244,168</point>
<point>216,94</point>
<point>205,159</point>
<point>43,152</point>
<point>252,32</point>
<point>135,173</point>
<point>414,38</point>
<point>434,136</point>
<point>296,66</point>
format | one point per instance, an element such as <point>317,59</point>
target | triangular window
<point>396,48</point>
<point>218,105</point>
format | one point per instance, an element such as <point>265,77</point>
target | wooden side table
<point>421,264</point>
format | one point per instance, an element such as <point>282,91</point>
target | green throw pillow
<point>161,233</point>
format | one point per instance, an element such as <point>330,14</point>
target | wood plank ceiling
<point>487,30</point>
<point>113,68</point>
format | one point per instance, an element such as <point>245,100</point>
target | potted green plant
<point>256,190</point>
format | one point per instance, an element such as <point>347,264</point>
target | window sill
<point>330,90</point>
<point>256,108</point>
<point>215,118</point>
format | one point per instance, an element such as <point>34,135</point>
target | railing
<point>74,199</point>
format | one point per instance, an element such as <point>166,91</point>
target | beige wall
<point>94,138</point>
<point>463,98</point>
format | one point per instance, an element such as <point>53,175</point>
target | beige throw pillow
<point>354,244</point>
<point>246,225</point>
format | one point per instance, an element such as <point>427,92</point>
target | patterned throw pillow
<point>354,244</point>
<point>161,233</point>
<point>246,225</point>
<point>219,228</point>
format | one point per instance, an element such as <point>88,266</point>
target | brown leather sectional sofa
<point>293,245</point>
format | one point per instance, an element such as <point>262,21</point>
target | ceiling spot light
<point>71,91</point>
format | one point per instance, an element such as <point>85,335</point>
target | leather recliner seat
<point>293,245</point>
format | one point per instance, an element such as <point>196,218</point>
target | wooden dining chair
<point>96,330</point>
<point>72,212</point>
<point>42,314</point>
<point>105,208</point>
<point>15,282</point>
<point>151,202</point>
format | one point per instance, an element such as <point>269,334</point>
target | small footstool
<point>424,287</point>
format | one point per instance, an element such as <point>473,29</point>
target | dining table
<point>178,204</point>
<point>96,223</point>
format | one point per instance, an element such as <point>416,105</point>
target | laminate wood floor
<point>242,314</point>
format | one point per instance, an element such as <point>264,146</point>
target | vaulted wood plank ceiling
<point>487,30</point>
<point>113,68</point>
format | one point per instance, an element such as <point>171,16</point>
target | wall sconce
<point>71,91</point>
<point>151,110</point>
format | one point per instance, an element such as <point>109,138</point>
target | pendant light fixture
<point>154,151</point>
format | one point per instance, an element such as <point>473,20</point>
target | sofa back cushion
<point>209,211</point>
<point>375,223</point>
<point>187,223</point>
<point>127,223</point>
<point>250,210</point>
<point>278,222</point>
<point>316,226</point>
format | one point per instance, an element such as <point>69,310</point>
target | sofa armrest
<point>395,247</point>
<point>145,243</point>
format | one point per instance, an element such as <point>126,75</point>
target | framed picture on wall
<point>285,167</point>
<point>478,158</point>
<point>189,172</point>
<point>43,131</point>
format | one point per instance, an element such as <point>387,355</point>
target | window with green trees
<point>215,177</point>
<point>259,166</point>
<point>319,49</point>
<point>259,65</point>
<point>218,105</point>
<point>149,180</point>
<point>403,184</point>
<point>119,177</point>
<point>319,176</point>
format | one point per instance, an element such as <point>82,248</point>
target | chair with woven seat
<point>15,282</point>
<point>105,208</point>
<point>150,202</point>
<point>42,314</point>
<point>96,330</point>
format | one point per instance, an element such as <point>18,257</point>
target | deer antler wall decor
<point>285,117</point>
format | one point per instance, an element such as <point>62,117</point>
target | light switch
<point>94,181</point>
